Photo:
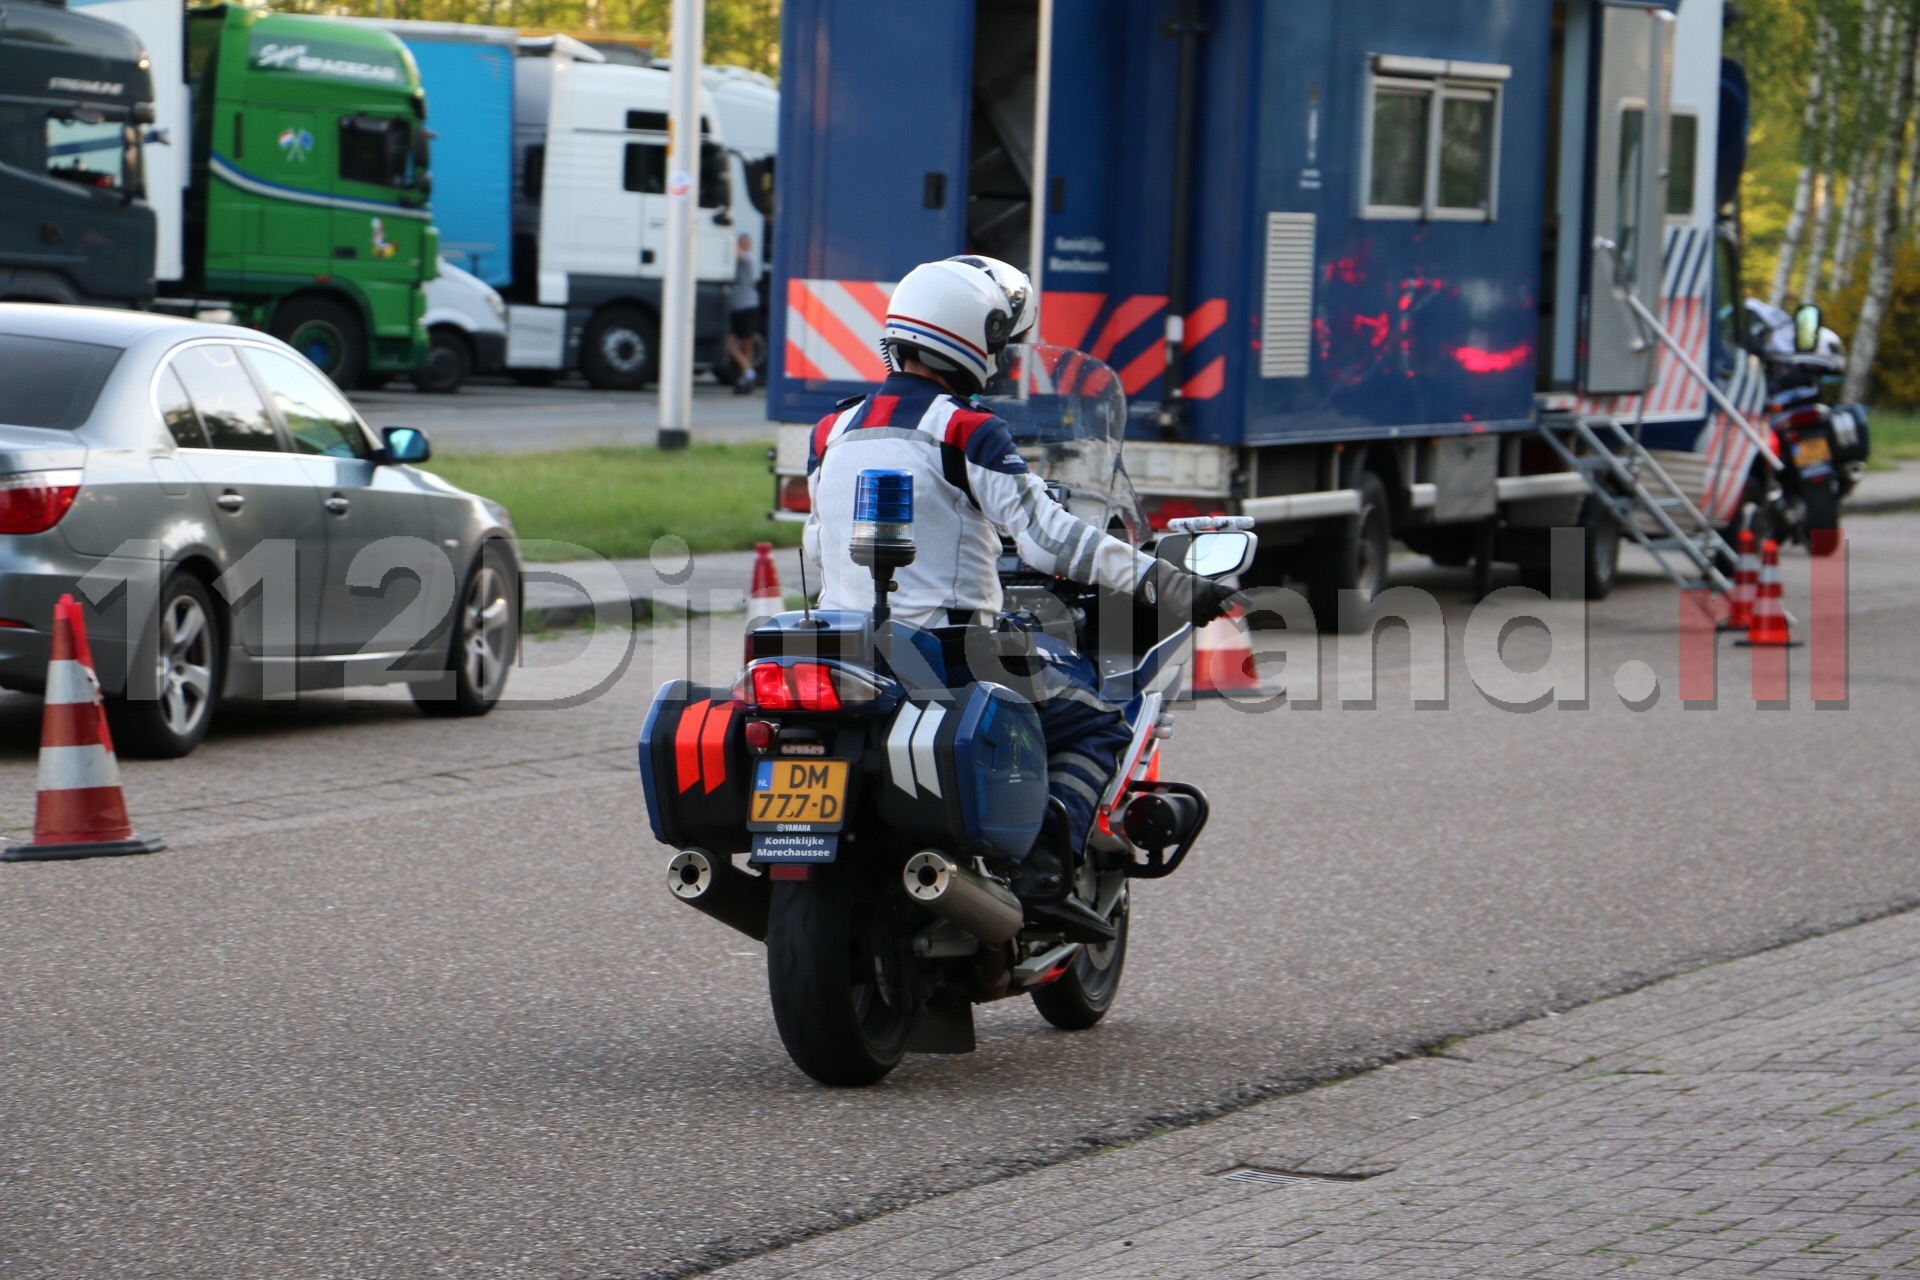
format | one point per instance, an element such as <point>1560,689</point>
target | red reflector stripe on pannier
<point>713,744</point>
<point>686,745</point>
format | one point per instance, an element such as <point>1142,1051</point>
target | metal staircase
<point>1649,506</point>
<point>1639,493</point>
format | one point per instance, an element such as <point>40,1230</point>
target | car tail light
<point>34,501</point>
<point>794,495</point>
<point>767,687</point>
<point>1161,510</point>
<point>814,685</point>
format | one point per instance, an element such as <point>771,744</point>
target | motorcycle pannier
<point>694,766</point>
<point>968,774</point>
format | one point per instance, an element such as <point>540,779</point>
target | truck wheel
<point>1082,995</point>
<point>184,646</point>
<point>327,333</point>
<point>621,351</point>
<point>1355,559</point>
<point>1600,564</point>
<point>839,998</point>
<point>448,362</point>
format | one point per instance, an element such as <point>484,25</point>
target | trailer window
<point>1633,127</point>
<point>1683,149</point>
<point>377,150</point>
<point>1432,139</point>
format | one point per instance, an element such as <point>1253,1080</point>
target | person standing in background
<point>743,317</point>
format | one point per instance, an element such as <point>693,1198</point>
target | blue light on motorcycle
<point>883,517</point>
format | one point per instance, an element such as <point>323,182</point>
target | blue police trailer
<point>1367,268</point>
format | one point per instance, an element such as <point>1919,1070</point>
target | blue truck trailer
<point>1341,252</point>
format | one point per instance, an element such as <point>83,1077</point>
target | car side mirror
<point>405,444</point>
<point>1806,329</point>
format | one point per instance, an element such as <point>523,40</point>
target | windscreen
<point>1068,416</point>
<point>49,382</point>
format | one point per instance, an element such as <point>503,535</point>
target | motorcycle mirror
<point>1215,555</point>
<point>1806,329</point>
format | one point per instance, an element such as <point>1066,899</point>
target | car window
<point>229,404</point>
<point>176,410</point>
<point>317,418</point>
<point>49,382</point>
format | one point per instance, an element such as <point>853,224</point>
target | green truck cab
<point>308,206</point>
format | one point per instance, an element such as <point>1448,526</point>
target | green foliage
<point>740,32</point>
<point>615,502</point>
<point>1896,373</point>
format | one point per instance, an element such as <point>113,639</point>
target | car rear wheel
<point>169,719</point>
<point>328,334</point>
<point>485,637</point>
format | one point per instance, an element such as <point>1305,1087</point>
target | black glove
<point>1183,593</point>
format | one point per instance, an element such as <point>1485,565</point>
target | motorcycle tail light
<point>853,688</point>
<point>760,734</point>
<point>814,685</point>
<point>1808,417</point>
<point>767,682</point>
<point>34,501</point>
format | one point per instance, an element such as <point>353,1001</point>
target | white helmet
<point>1021,300</point>
<point>952,318</point>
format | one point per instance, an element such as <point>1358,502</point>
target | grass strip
<point>616,501</point>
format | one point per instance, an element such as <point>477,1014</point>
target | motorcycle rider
<point>945,323</point>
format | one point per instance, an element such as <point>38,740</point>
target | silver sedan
<point>231,527</point>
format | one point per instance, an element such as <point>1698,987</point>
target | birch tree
<point>1806,189</point>
<point>1886,210</point>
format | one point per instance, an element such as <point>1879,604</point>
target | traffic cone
<point>1223,659</point>
<point>764,597</point>
<point>1769,628</point>
<point>79,811</point>
<point>1746,578</point>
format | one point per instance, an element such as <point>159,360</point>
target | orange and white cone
<point>80,811</point>
<point>1223,659</point>
<point>764,597</point>
<point>1746,586</point>
<point>1769,628</point>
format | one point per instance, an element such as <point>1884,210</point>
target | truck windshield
<point>49,382</point>
<point>78,146</point>
<point>379,150</point>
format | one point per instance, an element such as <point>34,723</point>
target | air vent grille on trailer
<point>1286,309</point>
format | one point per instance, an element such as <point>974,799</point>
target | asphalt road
<point>493,415</point>
<point>409,998</point>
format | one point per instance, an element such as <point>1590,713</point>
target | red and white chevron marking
<point>834,328</point>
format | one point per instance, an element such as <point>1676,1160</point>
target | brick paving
<point>1759,1117</point>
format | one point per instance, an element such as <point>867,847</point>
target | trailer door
<point>1628,193</point>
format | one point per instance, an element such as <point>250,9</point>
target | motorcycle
<point>882,778</point>
<point>1823,447</point>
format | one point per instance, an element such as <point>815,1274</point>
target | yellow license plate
<point>798,795</point>
<point>1815,450</point>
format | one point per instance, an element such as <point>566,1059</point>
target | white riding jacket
<point>969,485</point>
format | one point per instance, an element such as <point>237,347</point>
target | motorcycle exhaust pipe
<point>725,892</point>
<point>952,892</point>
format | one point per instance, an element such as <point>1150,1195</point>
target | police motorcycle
<point>1823,447</point>
<point>881,778</point>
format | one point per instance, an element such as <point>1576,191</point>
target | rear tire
<point>1600,563</point>
<point>327,333</point>
<point>449,362</point>
<point>1823,517</point>
<point>838,995</point>
<point>1081,996</point>
<point>183,644</point>
<point>621,350</point>
<point>1355,559</point>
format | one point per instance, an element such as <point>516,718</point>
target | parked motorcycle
<point>881,777</point>
<point>1823,447</point>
